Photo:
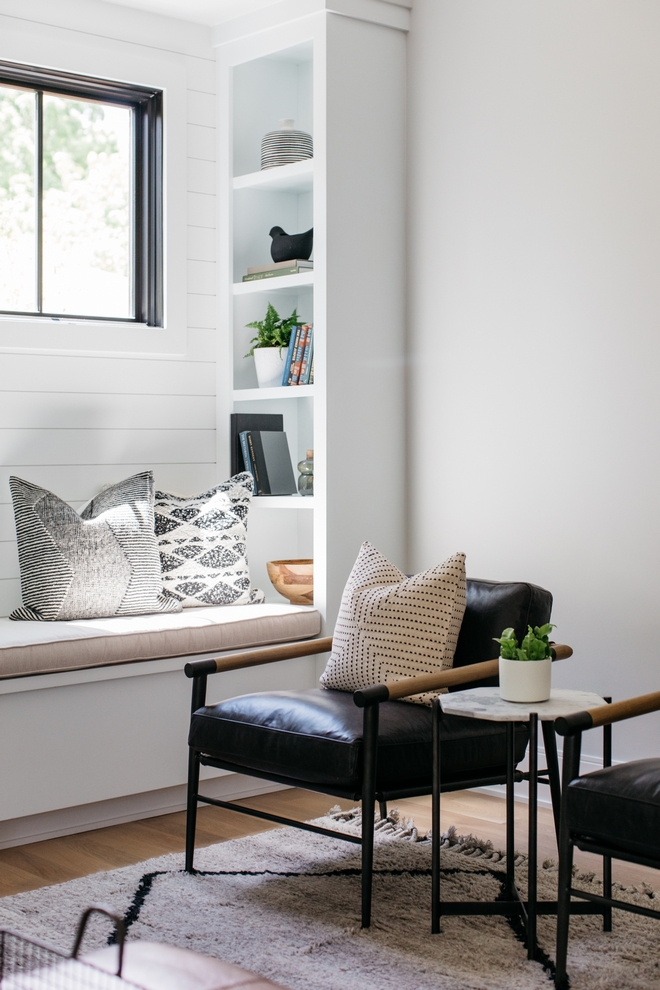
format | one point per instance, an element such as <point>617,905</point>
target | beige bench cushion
<point>44,647</point>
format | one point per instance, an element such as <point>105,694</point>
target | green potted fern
<point>269,347</point>
<point>525,669</point>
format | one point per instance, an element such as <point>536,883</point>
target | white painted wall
<point>72,419</point>
<point>534,340</point>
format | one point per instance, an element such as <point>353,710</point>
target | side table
<point>486,703</point>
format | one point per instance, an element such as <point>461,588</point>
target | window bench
<point>94,713</point>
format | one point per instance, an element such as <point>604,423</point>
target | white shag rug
<point>286,904</point>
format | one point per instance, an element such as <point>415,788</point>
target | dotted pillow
<point>391,627</point>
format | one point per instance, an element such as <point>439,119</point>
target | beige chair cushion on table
<point>155,966</point>
<point>46,647</point>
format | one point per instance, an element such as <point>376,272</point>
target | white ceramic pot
<point>269,362</point>
<point>525,680</point>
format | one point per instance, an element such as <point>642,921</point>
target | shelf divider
<point>279,392</point>
<point>286,283</point>
<point>297,177</point>
<point>282,502</point>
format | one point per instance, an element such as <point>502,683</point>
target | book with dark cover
<point>239,422</point>
<point>272,462</point>
<point>244,438</point>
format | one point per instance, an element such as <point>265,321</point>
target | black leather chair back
<point>492,606</point>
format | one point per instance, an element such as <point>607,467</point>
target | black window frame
<point>148,246</point>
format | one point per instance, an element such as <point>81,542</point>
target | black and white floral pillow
<point>202,544</point>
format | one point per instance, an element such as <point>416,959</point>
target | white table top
<point>485,702</point>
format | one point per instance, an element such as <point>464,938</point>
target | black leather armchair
<point>614,812</point>
<point>369,746</point>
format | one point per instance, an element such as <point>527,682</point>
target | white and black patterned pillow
<point>202,543</point>
<point>99,563</point>
<point>391,627</point>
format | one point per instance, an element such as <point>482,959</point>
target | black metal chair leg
<point>370,746</point>
<point>191,809</point>
<point>550,747</point>
<point>435,823</point>
<point>571,767</point>
<point>382,806</point>
<point>563,910</point>
<point>532,811</point>
<point>510,809</point>
<point>607,860</point>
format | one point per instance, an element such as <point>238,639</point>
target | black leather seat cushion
<point>315,736</point>
<point>619,806</point>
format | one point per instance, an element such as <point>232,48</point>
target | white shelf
<point>298,177</point>
<point>282,502</point>
<point>281,392</point>
<point>286,283</point>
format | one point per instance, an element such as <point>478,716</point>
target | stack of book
<point>267,458</point>
<point>299,361</point>
<point>277,268</point>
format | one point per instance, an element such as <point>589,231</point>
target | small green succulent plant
<point>535,645</point>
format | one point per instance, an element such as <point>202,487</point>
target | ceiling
<point>209,11</point>
<point>199,11</point>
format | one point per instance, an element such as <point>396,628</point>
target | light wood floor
<point>56,860</point>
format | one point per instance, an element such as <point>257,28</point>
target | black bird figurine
<point>291,247</point>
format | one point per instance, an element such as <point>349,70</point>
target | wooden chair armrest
<point>427,682</point>
<point>255,658</point>
<point>568,725</point>
<point>445,679</point>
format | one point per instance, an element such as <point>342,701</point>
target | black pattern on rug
<point>514,920</point>
<point>255,902</point>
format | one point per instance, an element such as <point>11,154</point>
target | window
<point>81,215</point>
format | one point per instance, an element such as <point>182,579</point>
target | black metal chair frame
<point>572,727</point>
<point>369,700</point>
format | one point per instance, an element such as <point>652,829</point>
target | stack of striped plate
<point>285,146</point>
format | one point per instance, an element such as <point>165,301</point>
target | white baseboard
<point>587,765</point>
<point>86,817</point>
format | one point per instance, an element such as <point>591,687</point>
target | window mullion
<point>39,198</point>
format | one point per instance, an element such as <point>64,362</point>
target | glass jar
<point>306,479</point>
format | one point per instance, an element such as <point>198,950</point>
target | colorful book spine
<point>311,373</point>
<point>294,351</point>
<point>248,460</point>
<point>289,354</point>
<point>298,356</point>
<point>305,368</point>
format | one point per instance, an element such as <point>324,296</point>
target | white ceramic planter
<point>525,680</point>
<point>269,362</point>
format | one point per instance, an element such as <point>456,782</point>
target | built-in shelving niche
<point>265,91</point>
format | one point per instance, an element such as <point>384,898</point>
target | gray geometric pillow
<point>202,542</point>
<point>103,562</point>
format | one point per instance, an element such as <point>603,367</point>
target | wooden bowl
<point>294,579</point>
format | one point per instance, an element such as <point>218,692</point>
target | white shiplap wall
<point>75,421</point>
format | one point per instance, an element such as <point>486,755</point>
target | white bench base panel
<point>134,808</point>
<point>92,746</point>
